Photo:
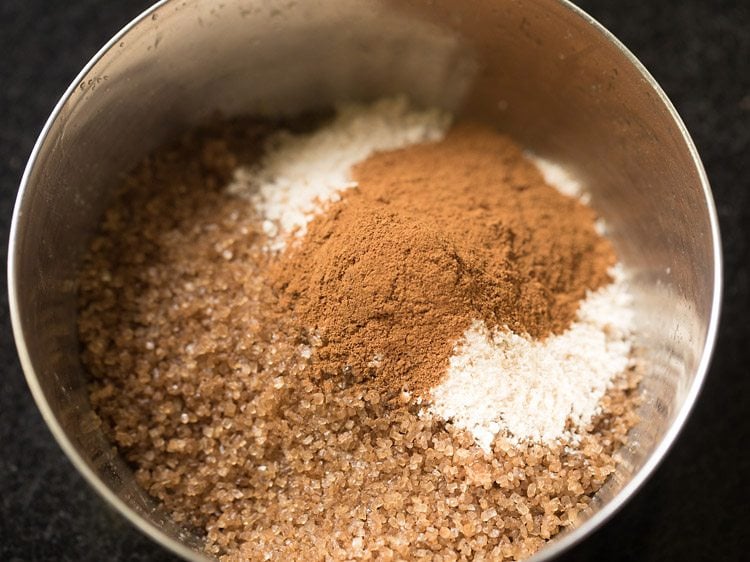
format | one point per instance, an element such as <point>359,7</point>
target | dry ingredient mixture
<point>375,337</point>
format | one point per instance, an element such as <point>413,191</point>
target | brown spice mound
<point>205,389</point>
<point>436,236</point>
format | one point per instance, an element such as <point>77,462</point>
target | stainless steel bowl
<point>541,70</point>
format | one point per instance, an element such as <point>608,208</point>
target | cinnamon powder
<point>434,237</point>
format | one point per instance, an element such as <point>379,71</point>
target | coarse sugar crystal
<point>278,459</point>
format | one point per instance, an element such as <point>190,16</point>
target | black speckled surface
<point>696,505</point>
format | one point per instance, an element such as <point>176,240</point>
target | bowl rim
<point>555,548</point>
<point>568,540</point>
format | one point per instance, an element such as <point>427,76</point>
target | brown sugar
<point>214,394</point>
<point>435,236</point>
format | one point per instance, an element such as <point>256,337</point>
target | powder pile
<point>299,174</point>
<point>502,382</point>
<point>215,391</point>
<point>436,237</point>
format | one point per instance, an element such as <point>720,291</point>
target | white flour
<point>300,174</point>
<point>559,178</point>
<point>500,382</point>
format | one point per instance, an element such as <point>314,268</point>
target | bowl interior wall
<point>535,69</point>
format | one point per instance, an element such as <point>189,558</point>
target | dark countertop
<point>693,508</point>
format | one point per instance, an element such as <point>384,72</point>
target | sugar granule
<point>299,174</point>
<point>208,393</point>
